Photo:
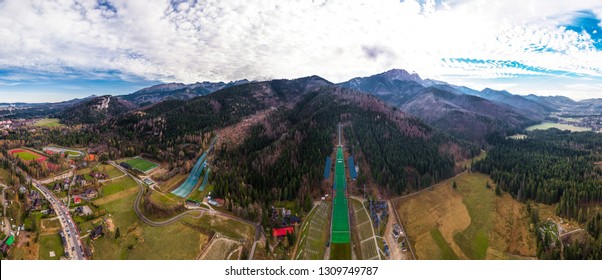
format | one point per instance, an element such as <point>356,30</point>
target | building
<point>77,199</point>
<point>90,157</point>
<point>96,233</point>
<point>220,201</point>
<point>125,165</point>
<point>91,193</point>
<point>280,232</point>
<point>295,220</point>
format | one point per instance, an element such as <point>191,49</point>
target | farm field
<point>117,185</point>
<point>547,125</point>
<point>49,122</point>
<point>51,242</point>
<point>469,222</point>
<point>141,241</point>
<point>314,233</point>
<point>141,164</point>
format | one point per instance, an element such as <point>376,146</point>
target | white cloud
<point>191,41</point>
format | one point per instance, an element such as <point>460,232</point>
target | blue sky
<point>63,49</point>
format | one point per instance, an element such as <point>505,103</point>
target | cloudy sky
<point>61,49</point>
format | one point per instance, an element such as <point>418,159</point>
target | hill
<point>94,110</point>
<point>176,91</point>
<point>463,116</point>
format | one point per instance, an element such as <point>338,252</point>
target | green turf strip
<point>340,219</point>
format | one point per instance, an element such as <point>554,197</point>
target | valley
<point>419,169</point>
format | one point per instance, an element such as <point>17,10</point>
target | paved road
<point>65,175</point>
<point>4,188</point>
<point>73,244</point>
<point>201,211</point>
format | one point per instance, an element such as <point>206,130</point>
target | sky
<point>53,50</point>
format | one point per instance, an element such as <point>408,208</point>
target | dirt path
<point>396,253</point>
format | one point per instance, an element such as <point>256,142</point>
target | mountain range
<point>458,110</point>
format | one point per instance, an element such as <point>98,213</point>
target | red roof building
<point>77,199</point>
<point>279,232</point>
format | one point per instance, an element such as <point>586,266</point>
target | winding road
<point>200,211</point>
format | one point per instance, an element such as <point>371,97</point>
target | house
<point>37,204</point>
<point>90,157</point>
<point>295,220</point>
<point>91,193</point>
<point>280,232</point>
<point>77,199</point>
<point>96,233</point>
<point>218,202</point>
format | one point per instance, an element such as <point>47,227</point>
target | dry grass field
<point>469,222</point>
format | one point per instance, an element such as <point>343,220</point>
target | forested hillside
<point>553,167</point>
<point>550,167</point>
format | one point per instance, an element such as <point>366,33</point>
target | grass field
<point>172,182</point>
<point>4,175</point>
<point>25,154</point>
<point>49,224</point>
<point>51,242</point>
<point>140,241</point>
<point>220,249</point>
<point>117,185</point>
<point>547,125</point>
<point>114,197</point>
<point>363,230</point>
<point>47,123</point>
<point>340,251</point>
<point>479,201</point>
<point>469,222</point>
<point>108,169</point>
<point>141,164</point>
<point>226,227</point>
<point>314,232</point>
<point>468,162</point>
<point>447,253</point>
<point>166,200</point>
